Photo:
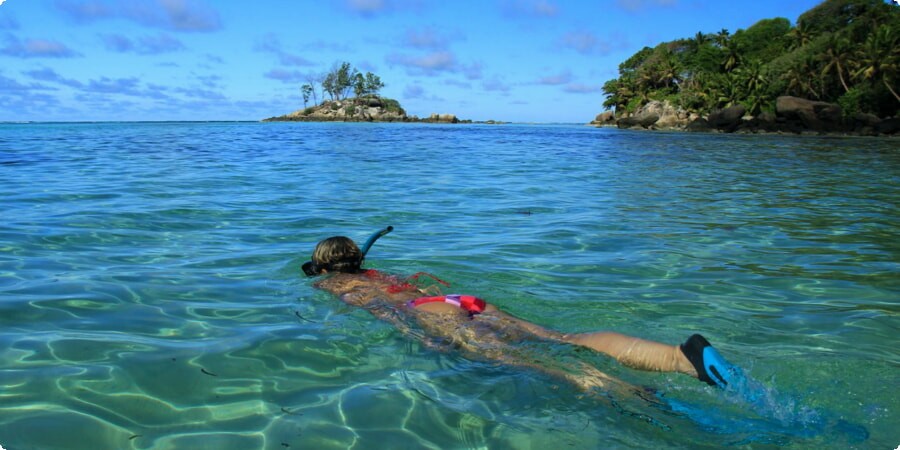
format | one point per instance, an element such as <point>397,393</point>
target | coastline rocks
<point>812,115</point>
<point>606,118</point>
<point>792,115</point>
<point>642,121</point>
<point>365,109</point>
<point>656,115</point>
<point>888,126</point>
<point>698,125</point>
<point>371,109</point>
<point>670,117</point>
<point>441,118</point>
<point>866,120</point>
<point>727,119</point>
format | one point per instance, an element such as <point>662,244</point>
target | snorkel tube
<point>312,270</point>
<point>374,237</point>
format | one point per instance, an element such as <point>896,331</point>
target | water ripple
<point>150,293</point>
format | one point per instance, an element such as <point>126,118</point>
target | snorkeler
<point>470,324</point>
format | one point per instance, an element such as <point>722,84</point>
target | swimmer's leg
<point>696,357</point>
<point>583,376</point>
<point>636,353</point>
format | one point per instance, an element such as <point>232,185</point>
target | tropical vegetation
<point>340,82</point>
<point>841,51</point>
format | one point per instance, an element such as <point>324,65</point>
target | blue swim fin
<point>711,366</point>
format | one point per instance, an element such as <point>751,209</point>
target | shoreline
<point>804,133</point>
<point>791,116</point>
<point>411,119</point>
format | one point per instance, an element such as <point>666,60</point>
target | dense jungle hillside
<point>842,51</point>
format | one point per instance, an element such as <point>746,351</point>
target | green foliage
<point>763,41</point>
<point>344,78</point>
<point>853,16</point>
<point>391,105</point>
<point>329,84</point>
<point>306,90</point>
<point>372,84</point>
<point>845,51</point>
<point>851,102</point>
<point>359,85</point>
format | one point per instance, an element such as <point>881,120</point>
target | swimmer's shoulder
<point>342,282</point>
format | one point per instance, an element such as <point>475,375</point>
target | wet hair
<point>337,254</point>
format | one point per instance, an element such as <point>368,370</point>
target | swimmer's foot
<point>710,365</point>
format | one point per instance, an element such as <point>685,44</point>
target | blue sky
<point>513,60</point>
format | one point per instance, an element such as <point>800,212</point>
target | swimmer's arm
<point>362,292</point>
<point>351,289</point>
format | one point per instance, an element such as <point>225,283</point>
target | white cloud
<point>640,5</point>
<point>372,8</point>
<point>37,48</point>
<point>174,15</point>
<point>146,45</point>
<point>560,78</point>
<point>578,88</point>
<point>428,64</point>
<point>584,42</point>
<point>529,8</point>
<point>271,44</point>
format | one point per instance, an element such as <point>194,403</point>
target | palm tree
<point>699,40</point>
<point>732,58</point>
<point>722,37</point>
<point>617,94</point>
<point>800,35</point>
<point>836,57</point>
<point>700,90</point>
<point>726,89</point>
<point>668,72</point>
<point>879,57</point>
<point>647,76</point>
<point>755,83</point>
<point>800,78</point>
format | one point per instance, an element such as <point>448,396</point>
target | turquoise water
<point>150,293</point>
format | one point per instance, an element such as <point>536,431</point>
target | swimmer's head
<point>335,254</point>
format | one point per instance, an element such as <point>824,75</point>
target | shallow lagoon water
<point>151,293</point>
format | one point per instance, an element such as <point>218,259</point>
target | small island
<point>366,106</point>
<point>836,71</point>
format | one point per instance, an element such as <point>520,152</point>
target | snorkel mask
<point>311,269</point>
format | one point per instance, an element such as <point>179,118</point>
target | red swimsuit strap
<point>398,286</point>
<point>416,276</point>
<point>469,303</point>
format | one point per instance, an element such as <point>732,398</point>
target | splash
<point>756,413</point>
<point>768,402</point>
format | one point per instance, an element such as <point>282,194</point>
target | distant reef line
<point>366,109</point>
